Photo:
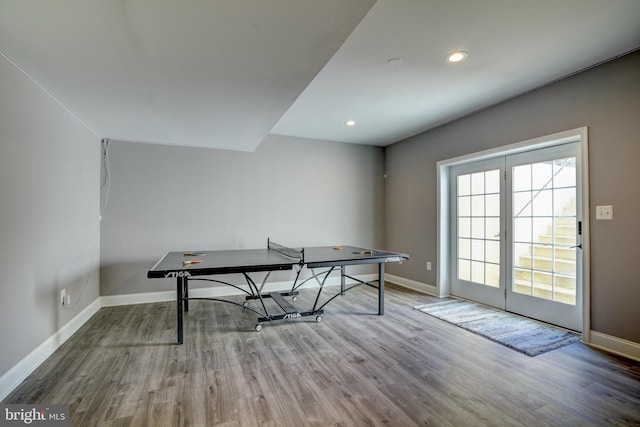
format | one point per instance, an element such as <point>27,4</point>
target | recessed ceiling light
<point>457,56</point>
<point>350,123</point>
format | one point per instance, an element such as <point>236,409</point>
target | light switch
<point>604,212</point>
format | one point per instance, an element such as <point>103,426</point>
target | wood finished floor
<point>355,368</point>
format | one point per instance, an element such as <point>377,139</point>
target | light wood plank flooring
<point>354,369</point>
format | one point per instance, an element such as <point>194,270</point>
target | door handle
<point>580,236</point>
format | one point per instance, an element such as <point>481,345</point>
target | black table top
<point>181,264</point>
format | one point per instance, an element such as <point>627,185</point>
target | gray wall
<point>49,206</point>
<point>607,100</point>
<point>298,192</point>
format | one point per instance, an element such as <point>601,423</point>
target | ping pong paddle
<point>365,252</point>
<point>192,261</point>
<point>337,248</point>
<point>193,253</point>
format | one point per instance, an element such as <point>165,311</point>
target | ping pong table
<point>191,266</point>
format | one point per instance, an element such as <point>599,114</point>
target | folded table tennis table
<point>193,265</point>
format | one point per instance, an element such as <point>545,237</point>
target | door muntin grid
<point>478,227</point>
<point>544,229</point>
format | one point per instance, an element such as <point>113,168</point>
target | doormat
<point>524,335</point>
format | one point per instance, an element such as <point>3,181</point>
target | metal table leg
<point>381,288</point>
<point>181,284</point>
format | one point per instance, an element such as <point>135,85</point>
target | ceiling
<point>227,73</point>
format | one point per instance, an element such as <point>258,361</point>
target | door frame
<point>443,210</point>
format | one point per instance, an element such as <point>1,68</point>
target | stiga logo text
<point>37,415</point>
<point>178,274</point>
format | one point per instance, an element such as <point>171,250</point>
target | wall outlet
<point>428,265</point>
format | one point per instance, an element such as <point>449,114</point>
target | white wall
<point>298,192</point>
<point>49,205</point>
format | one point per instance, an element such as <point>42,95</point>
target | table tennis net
<point>287,251</point>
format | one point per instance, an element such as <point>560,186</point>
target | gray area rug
<point>524,335</point>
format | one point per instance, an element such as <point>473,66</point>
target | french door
<point>478,250</point>
<point>516,229</point>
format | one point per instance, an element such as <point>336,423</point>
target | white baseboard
<point>619,346</point>
<point>19,372</point>
<point>220,291</point>
<point>412,284</point>
<point>142,298</point>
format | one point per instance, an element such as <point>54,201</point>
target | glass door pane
<point>479,227</point>
<point>477,251</point>
<point>544,231</point>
